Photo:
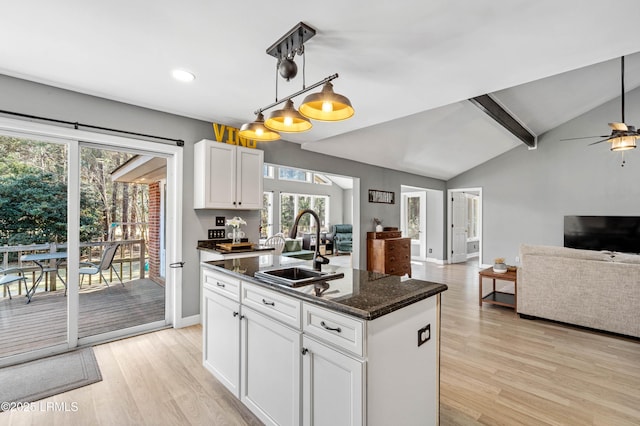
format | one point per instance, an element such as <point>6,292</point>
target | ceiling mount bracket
<point>292,42</point>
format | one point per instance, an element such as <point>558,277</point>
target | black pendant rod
<point>622,79</point>
<point>76,125</point>
<point>298,93</point>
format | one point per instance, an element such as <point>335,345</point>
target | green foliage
<point>33,205</point>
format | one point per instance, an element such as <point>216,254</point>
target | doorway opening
<point>464,239</point>
<point>422,220</point>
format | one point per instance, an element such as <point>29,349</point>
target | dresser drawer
<point>278,306</point>
<point>221,284</point>
<point>340,330</point>
<point>398,245</point>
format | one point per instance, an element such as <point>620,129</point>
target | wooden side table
<point>498,297</point>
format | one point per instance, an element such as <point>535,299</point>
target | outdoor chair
<point>277,242</point>
<point>106,263</point>
<point>11,275</point>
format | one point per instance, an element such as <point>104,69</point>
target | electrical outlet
<point>517,259</point>
<point>430,250</point>
<point>216,233</point>
<point>219,220</point>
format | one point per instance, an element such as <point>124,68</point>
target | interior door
<point>415,222</point>
<point>458,227</point>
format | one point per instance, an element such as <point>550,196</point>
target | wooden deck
<point>43,322</point>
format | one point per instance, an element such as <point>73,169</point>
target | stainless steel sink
<point>296,277</point>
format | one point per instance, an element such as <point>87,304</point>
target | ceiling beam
<point>495,111</point>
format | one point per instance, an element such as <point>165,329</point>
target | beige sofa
<point>596,289</point>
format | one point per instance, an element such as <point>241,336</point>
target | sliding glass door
<point>121,282</point>
<point>84,231</point>
<point>33,235</point>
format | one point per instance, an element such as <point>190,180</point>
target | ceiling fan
<point>623,136</point>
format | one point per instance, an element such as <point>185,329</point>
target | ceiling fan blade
<point>618,126</point>
<point>584,137</point>
<point>603,140</point>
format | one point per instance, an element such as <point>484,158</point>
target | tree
<point>34,208</point>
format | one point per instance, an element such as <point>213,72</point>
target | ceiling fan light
<point>327,105</point>
<point>288,120</point>
<point>257,131</point>
<point>623,143</point>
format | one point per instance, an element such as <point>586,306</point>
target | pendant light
<point>323,106</point>
<point>256,130</point>
<point>288,120</point>
<point>327,105</point>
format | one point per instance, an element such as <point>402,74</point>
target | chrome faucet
<point>318,259</point>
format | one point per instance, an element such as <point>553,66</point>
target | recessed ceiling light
<point>182,75</point>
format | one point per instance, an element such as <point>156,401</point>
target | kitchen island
<point>361,349</point>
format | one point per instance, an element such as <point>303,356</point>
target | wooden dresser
<point>388,253</point>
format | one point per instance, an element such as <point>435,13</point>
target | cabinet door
<point>270,369</point>
<point>214,175</point>
<point>249,178</point>
<point>332,385</point>
<point>221,339</point>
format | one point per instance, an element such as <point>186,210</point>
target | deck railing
<point>130,262</point>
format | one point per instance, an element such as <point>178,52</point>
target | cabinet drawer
<point>399,245</point>
<point>340,330</point>
<point>278,306</point>
<point>221,284</point>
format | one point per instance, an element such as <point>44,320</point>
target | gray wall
<point>38,99</point>
<point>527,193</point>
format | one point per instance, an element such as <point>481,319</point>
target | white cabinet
<point>270,369</point>
<point>252,343</point>
<point>378,372</point>
<point>227,176</point>
<point>333,387</point>
<point>221,339</point>
<point>293,362</point>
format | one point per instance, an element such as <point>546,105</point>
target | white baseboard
<point>431,260</point>
<point>188,321</point>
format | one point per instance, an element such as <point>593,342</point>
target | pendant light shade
<point>623,143</point>
<point>256,130</point>
<point>327,105</point>
<point>288,120</point>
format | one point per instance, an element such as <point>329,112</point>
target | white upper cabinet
<point>227,176</point>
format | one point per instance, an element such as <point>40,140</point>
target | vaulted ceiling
<point>408,66</point>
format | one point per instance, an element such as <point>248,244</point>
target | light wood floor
<point>495,369</point>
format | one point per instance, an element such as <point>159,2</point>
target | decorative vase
<point>236,236</point>
<point>500,268</point>
<point>378,228</point>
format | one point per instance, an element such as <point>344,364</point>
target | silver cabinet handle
<point>326,327</point>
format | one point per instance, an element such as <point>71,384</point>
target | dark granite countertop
<point>210,245</point>
<point>363,294</point>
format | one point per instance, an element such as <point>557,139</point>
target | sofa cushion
<point>571,253</point>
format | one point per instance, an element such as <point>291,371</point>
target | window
<point>266,216</point>
<point>268,171</point>
<point>321,179</point>
<point>291,204</point>
<point>473,202</point>
<point>298,175</point>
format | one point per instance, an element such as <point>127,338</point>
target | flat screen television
<point>614,233</point>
